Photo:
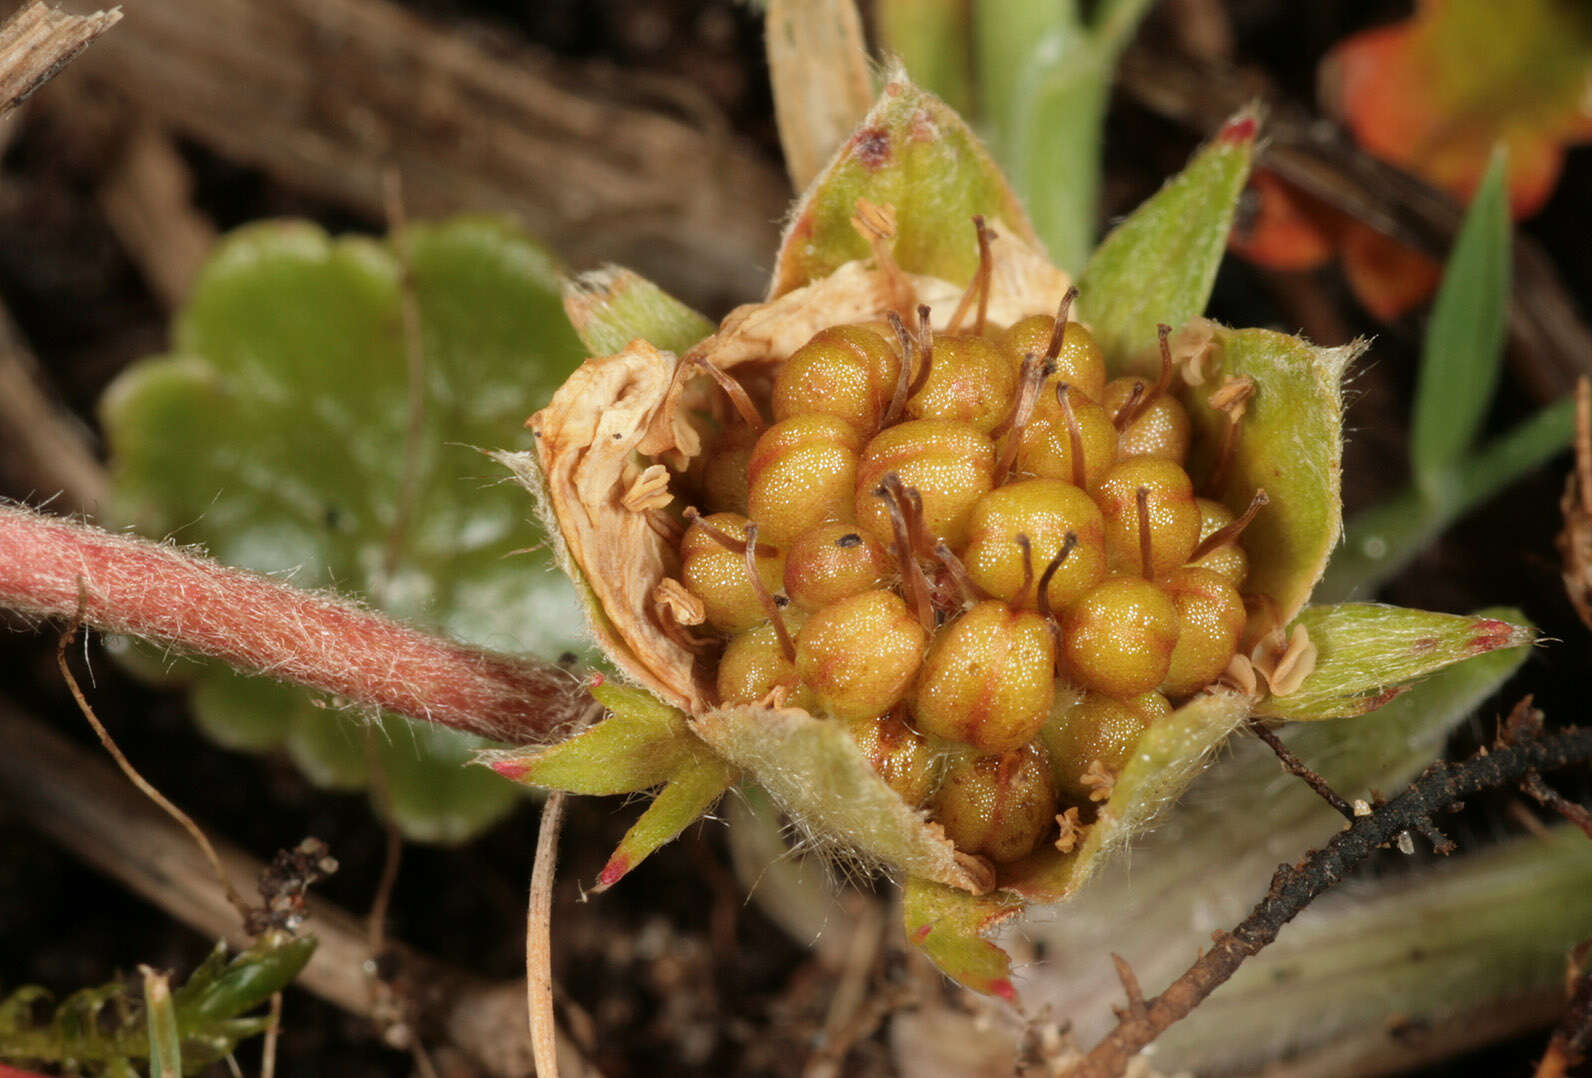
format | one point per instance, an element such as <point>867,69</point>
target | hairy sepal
<point>612,306</point>
<point>640,744</point>
<point>1368,653</point>
<point>914,153</point>
<point>1159,265</point>
<point>1172,754</point>
<point>816,773</point>
<point>1290,443</point>
<point>689,795</point>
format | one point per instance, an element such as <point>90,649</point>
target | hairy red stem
<point>54,568</point>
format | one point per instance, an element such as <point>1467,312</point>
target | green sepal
<point>1368,653</point>
<point>1169,757</point>
<point>641,743</point>
<point>815,772</point>
<point>1290,443</point>
<point>948,925</point>
<point>695,788</point>
<point>1159,265</point>
<point>914,153</point>
<point>277,435</point>
<point>613,306</point>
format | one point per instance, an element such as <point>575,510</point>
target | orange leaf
<point>1387,277</point>
<point>1283,228</point>
<point>1436,92</point>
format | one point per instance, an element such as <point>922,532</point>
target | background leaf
<point>275,434</point>
<point>1464,342</point>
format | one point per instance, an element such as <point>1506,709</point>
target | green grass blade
<point>165,1045</point>
<point>1464,339</point>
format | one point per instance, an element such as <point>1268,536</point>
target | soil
<point>673,971</point>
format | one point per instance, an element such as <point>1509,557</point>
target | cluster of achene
<point>976,552</point>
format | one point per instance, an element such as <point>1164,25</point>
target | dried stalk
<point>39,41</point>
<point>1440,788</point>
<point>172,596</point>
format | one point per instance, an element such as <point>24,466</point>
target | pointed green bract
<point>277,435</point>
<point>948,926</point>
<point>916,155</point>
<point>813,769</point>
<point>1464,342</point>
<point>639,745</point>
<point>931,37</point>
<point>695,788</point>
<point>1290,444</point>
<point>1367,653</point>
<point>1159,265</point>
<point>613,306</point>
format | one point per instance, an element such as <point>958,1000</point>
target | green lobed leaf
<point>275,434</point>
<point>694,789</point>
<point>915,154</point>
<point>613,306</point>
<point>1158,265</point>
<point>639,745</point>
<point>948,925</point>
<point>1290,444</point>
<point>1464,342</point>
<point>1368,654</point>
<point>815,772</point>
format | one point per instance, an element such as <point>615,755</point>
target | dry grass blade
<point>819,66</point>
<point>38,41</point>
<point>539,942</point>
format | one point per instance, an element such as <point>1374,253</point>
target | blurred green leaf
<point>1158,265</point>
<point>932,39</point>
<point>1464,342</point>
<point>276,435</point>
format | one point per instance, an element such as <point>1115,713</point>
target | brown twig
<point>173,596</point>
<point>39,41</point>
<point>1296,766</point>
<point>1548,797</point>
<point>1440,788</point>
<point>1568,1044</point>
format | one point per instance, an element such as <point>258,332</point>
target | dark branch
<point>1298,767</point>
<point>1439,789</point>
